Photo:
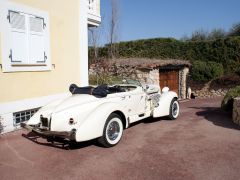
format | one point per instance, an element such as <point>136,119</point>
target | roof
<point>144,63</point>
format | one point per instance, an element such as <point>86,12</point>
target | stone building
<point>170,73</point>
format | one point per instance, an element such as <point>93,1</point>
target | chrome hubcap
<point>113,130</point>
<point>175,109</point>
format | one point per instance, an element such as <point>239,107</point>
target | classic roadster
<point>102,112</point>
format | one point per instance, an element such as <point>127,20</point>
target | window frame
<point>5,32</point>
<point>23,116</point>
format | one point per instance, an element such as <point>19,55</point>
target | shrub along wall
<point>206,71</point>
<point>225,51</point>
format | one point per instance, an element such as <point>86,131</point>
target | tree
<point>217,34</point>
<point>235,30</point>
<point>185,38</point>
<point>94,43</point>
<point>199,35</point>
<point>113,29</point>
<point>94,37</point>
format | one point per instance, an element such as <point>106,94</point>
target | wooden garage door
<point>169,78</point>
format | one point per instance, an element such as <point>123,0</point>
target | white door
<point>138,102</point>
<point>134,101</point>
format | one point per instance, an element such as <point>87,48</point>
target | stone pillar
<point>236,111</point>
<point>183,82</point>
<point>148,76</point>
<point>154,77</point>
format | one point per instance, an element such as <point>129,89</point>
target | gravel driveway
<point>202,143</point>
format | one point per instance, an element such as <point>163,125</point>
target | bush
<point>235,30</point>
<point>206,71</point>
<point>104,78</point>
<point>237,71</point>
<point>227,103</point>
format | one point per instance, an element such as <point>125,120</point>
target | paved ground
<point>201,144</point>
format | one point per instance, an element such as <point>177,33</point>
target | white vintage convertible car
<point>102,112</point>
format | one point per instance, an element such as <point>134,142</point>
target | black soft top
<point>99,91</point>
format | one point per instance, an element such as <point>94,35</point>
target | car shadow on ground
<point>217,116</point>
<point>59,143</point>
<point>72,145</point>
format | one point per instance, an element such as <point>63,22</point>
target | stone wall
<point>150,76</point>
<point>147,76</point>
<point>203,90</point>
<point>236,110</point>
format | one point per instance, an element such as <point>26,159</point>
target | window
<point>23,116</point>
<point>25,40</point>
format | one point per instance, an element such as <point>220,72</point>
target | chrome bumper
<point>46,133</point>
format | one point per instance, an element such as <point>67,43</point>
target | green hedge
<point>224,51</point>
<point>206,71</point>
<point>227,103</point>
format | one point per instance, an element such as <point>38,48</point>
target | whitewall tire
<point>112,132</point>
<point>174,109</point>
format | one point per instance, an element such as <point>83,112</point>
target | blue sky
<point>141,19</point>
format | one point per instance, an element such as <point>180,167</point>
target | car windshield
<point>132,81</point>
<point>128,81</point>
<point>112,80</point>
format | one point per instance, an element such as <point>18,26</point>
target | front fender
<point>164,104</point>
<point>93,125</point>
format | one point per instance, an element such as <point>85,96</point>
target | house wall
<point>25,90</point>
<point>98,7</point>
<point>64,49</point>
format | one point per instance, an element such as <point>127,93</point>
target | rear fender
<point>46,111</point>
<point>164,104</point>
<point>93,125</point>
